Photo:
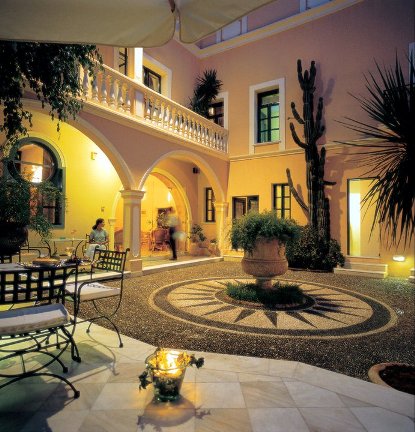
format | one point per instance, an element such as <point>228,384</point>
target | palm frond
<point>387,149</point>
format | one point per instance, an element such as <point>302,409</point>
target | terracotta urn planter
<point>266,261</point>
<point>400,376</point>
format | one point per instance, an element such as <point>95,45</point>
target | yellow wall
<point>91,186</point>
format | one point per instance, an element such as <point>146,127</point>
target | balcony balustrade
<point>116,92</point>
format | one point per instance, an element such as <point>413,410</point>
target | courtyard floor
<point>264,371</point>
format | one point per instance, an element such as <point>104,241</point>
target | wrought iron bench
<point>107,266</point>
<point>42,326</point>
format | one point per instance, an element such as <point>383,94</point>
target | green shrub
<point>196,234</point>
<point>247,229</point>
<point>311,251</point>
<point>280,294</point>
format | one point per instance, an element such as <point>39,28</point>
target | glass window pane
<point>275,135</point>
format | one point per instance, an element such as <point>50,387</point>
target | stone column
<point>221,213</point>
<point>111,223</point>
<point>132,227</point>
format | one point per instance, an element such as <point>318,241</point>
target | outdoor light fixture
<point>398,258</point>
<point>165,369</point>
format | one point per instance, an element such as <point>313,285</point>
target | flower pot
<point>194,249</point>
<point>266,261</point>
<point>12,237</point>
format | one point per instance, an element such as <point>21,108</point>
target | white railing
<point>115,91</point>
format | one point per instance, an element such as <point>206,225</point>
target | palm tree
<point>389,150</point>
<point>206,89</point>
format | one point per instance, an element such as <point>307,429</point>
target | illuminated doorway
<point>362,239</point>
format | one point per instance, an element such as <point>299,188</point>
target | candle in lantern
<point>166,368</point>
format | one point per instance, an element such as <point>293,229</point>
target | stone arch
<point>107,147</point>
<point>196,159</point>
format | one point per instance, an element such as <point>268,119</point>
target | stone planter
<point>194,249</point>
<point>12,237</point>
<point>266,261</point>
<point>403,381</point>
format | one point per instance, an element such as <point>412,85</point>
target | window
<point>281,200</point>
<point>266,108</point>
<point>36,163</point>
<point>268,116</point>
<point>216,113</point>
<point>151,79</point>
<point>123,61</point>
<point>242,205</point>
<point>209,205</point>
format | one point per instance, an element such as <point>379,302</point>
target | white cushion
<point>94,291</point>
<point>29,319</point>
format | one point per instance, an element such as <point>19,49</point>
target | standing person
<point>172,223</point>
<point>97,237</point>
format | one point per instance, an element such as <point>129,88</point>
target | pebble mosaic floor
<point>330,312</point>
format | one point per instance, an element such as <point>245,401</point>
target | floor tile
<point>307,395</point>
<point>110,421</point>
<point>122,396</point>
<point>222,420</point>
<point>277,420</point>
<point>63,398</point>
<point>380,420</point>
<point>211,375</point>
<point>331,420</point>
<point>165,419</point>
<point>266,395</point>
<point>219,395</point>
<point>62,421</point>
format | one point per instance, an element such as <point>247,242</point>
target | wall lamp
<point>398,258</point>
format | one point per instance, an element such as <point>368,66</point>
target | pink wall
<point>184,65</point>
<point>272,12</point>
<point>343,45</point>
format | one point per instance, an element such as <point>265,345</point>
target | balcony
<point>113,91</point>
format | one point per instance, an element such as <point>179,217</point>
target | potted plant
<point>263,236</point>
<point>22,209</point>
<point>207,88</point>
<point>197,240</point>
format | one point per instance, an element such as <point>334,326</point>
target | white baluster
<point>147,107</point>
<point>120,99</point>
<point>85,83</point>
<point>95,89</point>
<point>166,118</point>
<point>128,99</point>
<point>103,96</point>
<point>160,116</point>
<point>112,92</point>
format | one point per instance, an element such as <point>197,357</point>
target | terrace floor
<point>260,374</point>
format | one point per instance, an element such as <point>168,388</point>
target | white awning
<point>123,23</point>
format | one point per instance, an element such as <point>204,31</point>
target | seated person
<point>98,237</point>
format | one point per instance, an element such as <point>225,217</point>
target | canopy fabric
<point>124,23</point>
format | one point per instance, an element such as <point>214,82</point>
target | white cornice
<point>272,29</point>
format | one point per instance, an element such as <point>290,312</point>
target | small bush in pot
<point>252,226</point>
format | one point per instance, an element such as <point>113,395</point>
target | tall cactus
<point>318,208</point>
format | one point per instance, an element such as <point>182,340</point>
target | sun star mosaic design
<point>329,311</point>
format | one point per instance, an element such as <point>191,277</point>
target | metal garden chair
<point>107,266</point>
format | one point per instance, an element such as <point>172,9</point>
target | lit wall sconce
<point>93,155</point>
<point>211,111</point>
<point>398,258</point>
<point>169,196</point>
